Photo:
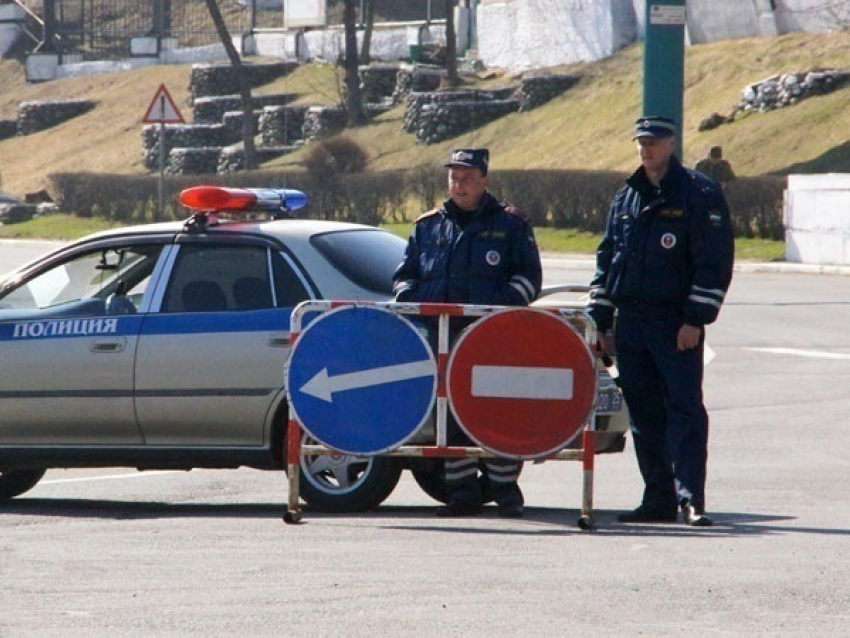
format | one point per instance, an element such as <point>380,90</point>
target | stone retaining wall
<point>197,160</point>
<point>8,128</point>
<point>282,125</point>
<point>321,122</point>
<point>536,90</point>
<point>415,102</point>
<point>438,122</point>
<point>210,110</point>
<point>38,116</point>
<point>220,79</point>
<point>232,158</point>
<point>378,81</point>
<point>180,136</point>
<point>789,88</point>
<point>233,122</point>
<point>434,117</point>
<point>779,91</point>
<point>416,79</point>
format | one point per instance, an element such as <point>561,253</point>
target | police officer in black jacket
<point>472,250</point>
<point>664,264</point>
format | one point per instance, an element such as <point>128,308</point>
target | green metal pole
<point>664,62</point>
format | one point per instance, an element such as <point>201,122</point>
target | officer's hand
<point>688,337</point>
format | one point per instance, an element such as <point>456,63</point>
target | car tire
<point>346,483</point>
<point>430,476</point>
<point>15,482</point>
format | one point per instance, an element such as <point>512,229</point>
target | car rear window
<point>366,257</point>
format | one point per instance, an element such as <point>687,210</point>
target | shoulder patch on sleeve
<point>715,217</point>
<point>426,215</point>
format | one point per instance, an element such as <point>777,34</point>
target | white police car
<point>163,346</point>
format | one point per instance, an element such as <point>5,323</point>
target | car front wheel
<point>15,482</point>
<point>345,483</point>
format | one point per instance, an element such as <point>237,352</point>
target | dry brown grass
<point>107,139</point>
<point>589,127</point>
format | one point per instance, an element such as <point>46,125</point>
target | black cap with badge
<point>471,157</point>
<point>655,126</point>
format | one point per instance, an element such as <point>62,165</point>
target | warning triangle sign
<point>163,109</point>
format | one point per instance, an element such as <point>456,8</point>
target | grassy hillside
<point>589,127</point>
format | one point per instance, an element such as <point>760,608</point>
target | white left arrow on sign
<point>322,386</point>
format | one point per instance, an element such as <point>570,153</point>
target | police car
<point>163,346</point>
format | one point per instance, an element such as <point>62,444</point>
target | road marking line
<point>799,352</point>
<point>109,477</point>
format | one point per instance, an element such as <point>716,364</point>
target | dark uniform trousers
<point>462,475</point>
<point>671,438</point>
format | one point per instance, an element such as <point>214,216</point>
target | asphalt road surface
<point>120,553</point>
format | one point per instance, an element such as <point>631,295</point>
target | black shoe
<point>648,514</point>
<point>694,515</point>
<point>511,510</point>
<point>457,509</point>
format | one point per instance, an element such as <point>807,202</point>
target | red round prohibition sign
<point>521,382</point>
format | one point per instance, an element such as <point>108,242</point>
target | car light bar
<point>220,199</point>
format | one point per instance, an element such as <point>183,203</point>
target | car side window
<point>109,280</point>
<point>218,278</point>
<point>290,289</point>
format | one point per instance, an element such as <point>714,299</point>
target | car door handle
<point>279,341</point>
<point>108,345</point>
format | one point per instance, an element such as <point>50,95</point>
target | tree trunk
<point>351,64</point>
<point>369,23</point>
<point>451,45</point>
<point>244,86</point>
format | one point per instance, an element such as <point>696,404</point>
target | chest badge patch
<point>668,240</point>
<point>493,257</point>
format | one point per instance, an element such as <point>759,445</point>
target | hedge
<point>554,198</point>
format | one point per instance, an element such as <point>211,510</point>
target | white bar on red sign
<point>515,382</point>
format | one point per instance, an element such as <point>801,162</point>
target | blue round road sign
<point>361,380</point>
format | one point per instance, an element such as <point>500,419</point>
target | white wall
<point>817,219</point>
<point>389,42</point>
<point>11,20</point>
<point>523,34</point>
<point>710,20</point>
<point>815,16</point>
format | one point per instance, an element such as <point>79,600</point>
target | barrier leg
<point>293,468</point>
<point>589,449</point>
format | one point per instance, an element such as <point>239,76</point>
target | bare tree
<point>351,63</point>
<point>451,45</point>
<point>244,85</point>
<point>368,19</point>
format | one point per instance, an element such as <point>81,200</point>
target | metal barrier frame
<point>294,449</point>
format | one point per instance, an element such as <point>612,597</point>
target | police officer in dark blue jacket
<point>472,250</point>
<point>664,264</point>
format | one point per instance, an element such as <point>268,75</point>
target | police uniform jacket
<point>489,257</point>
<point>667,252</point>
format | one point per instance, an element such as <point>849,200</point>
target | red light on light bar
<point>217,198</point>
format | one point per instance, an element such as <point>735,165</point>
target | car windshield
<point>366,257</point>
<point>91,275</point>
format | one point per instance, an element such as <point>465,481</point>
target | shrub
<point>556,198</point>
<point>339,155</point>
<point>756,204</point>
